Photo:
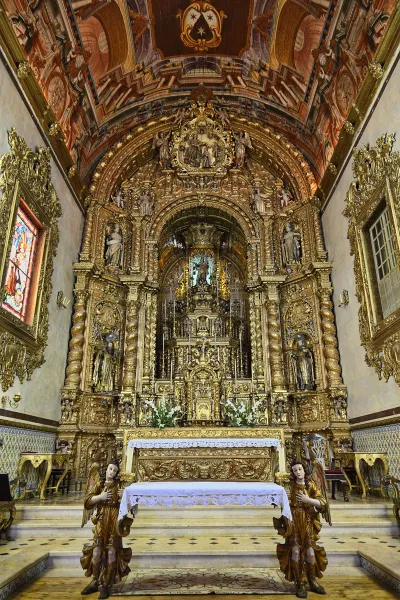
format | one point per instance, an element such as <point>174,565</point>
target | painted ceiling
<point>106,65</point>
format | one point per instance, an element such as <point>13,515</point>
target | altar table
<point>189,459</point>
<point>204,493</point>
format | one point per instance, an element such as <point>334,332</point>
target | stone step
<point>14,572</point>
<point>342,571</point>
<point>143,527</point>
<point>200,559</point>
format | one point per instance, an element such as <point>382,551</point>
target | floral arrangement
<point>241,414</point>
<point>165,414</point>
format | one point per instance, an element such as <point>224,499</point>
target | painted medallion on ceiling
<point>180,28</point>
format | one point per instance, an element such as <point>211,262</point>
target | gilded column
<point>87,236</point>
<point>256,336</point>
<point>275,344</point>
<point>131,340</point>
<point>329,338</point>
<point>147,336</point>
<point>136,235</point>
<point>76,343</point>
<point>319,242</point>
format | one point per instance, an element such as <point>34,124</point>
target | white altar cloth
<point>191,493</point>
<point>206,443</point>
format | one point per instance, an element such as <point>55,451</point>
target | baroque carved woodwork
<point>25,178</point>
<point>376,187</point>
<point>221,289</point>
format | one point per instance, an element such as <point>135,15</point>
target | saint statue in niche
<point>286,196</point>
<point>114,246</point>
<point>104,365</point>
<point>257,201</point>
<point>291,245</point>
<point>302,361</point>
<point>146,203</point>
<point>161,141</point>
<point>118,198</point>
<point>201,270</point>
<point>242,141</point>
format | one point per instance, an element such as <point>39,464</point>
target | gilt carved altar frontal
<point>197,458</point>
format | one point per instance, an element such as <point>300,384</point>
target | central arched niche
<point>203,336</point>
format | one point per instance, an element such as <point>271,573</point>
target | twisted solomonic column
<point>131,345</point>
<point>75,351</point>
<point>329,338</point>
<point>87,236</point>
<point>275,345</point>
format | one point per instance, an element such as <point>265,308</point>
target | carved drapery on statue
<point>221,290</point>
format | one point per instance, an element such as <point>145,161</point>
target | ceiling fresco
<point>106,65</point>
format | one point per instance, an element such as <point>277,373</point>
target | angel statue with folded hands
<point>104,559</point>
<point>300,557</point>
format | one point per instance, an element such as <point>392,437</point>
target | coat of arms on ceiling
<point>205,27</point>
<point>202,146</point>
<point>201,25</point>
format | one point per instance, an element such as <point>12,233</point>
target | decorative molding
<point>376,415</point>
<point>380,423</point>
<point>18,416</point>
<point>377,182</point>
<point>25,173</point>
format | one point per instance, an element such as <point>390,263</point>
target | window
<point>386,268</point>
<point>19,284</point>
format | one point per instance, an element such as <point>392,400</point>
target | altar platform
<point>215,538</point>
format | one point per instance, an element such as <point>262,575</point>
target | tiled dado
<point>17,440</point>
<point>385,438</point>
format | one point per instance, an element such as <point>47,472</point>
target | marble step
<point>340,511</point>
<point>70,528</point>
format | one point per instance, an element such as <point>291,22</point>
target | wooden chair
<point>7,507</point>
<point>317,447</point>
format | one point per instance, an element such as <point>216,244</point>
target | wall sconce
<point>13,402</point>
<point>344,298</point>
<point>62,301</point>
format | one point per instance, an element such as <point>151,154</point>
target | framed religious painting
<point>373,211</point>
<point>29,212</point>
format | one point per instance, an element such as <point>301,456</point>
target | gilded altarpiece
<point>202,280</point>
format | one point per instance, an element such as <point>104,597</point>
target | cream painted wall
<point>41,395</point>
<point>367,394</point>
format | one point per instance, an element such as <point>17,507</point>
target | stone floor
<point>49,534</point>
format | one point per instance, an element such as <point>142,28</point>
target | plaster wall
<point>41,395</point>
<point>367,394</point>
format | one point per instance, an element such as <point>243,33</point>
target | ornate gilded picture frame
<point>373,211</point>
<point>29,211</point>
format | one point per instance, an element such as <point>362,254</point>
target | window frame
<point>376,186</point>
<point>25,179</point>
